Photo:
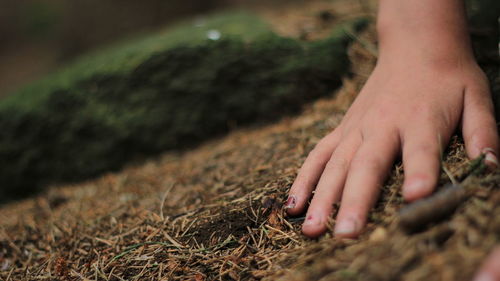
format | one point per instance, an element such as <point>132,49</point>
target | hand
<point>425,83</point>
<point>410,105</point>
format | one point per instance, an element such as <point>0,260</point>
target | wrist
<point>435,48</point>
<point>431,31</point>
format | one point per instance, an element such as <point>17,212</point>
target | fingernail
<point>310,220</point>
<point>291,202</point>
<point>346,227</point>
<point>484,276</point>
<point>413,188</point>
<point>490,157</point>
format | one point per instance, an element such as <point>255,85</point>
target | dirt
<point>215,213</point>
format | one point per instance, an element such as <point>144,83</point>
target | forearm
<point>435,30</point>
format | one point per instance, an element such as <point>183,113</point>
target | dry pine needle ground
<point>215,213</point>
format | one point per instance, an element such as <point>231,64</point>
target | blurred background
<point>37,36</point>
<point>169,86</point>
<point>88,87</point>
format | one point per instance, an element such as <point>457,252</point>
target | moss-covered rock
<point>172,99</point>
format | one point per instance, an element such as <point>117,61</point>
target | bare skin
<point>426,84</point>
<point>490,270</point>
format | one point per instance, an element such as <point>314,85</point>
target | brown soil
<point>215,213</point>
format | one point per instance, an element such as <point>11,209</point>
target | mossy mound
<point>175,98</point>
<point>123,57</point>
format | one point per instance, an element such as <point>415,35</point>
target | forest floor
<point>216,212</point>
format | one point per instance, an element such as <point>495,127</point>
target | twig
<point>10,274</point>
<point>432,209</point>
<point>135,246</point>
<point>476,167</point>
<point>163,200</point>
<point>230,239</point>
<point>440,205</point>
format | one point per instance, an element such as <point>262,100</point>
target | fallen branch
<point>440,205</point>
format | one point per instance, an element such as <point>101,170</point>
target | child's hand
<point>425,84</point>
<point>406,107</point>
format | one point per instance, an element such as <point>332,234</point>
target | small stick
<point>135,246</point>
<point>440,205</point>
<point>162,216</point>
<point>476,167</point>
<point>435,208</point>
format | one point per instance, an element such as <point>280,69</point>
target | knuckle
<point>479,132</point>
<point>300,180</point>
<point>423,112</point>
<point>428,113</point>
<point>482,137</point>
<point>481,79</point>
<point>316,152</point>
<point>323,148</point>
<point>321,144</point>
<point>429,151</point>
<point>338,163</point>
<point>363,162</point>
<point>426,148</point>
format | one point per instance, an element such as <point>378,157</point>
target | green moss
<point>172,99</point>
<point>125,56</point>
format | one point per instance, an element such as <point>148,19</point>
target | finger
<point>490,270</point>
<point>310,173</point>
<point>330,187</point>
<point>369,168</point>
<point>479,126</point>
<point>421,162</point>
